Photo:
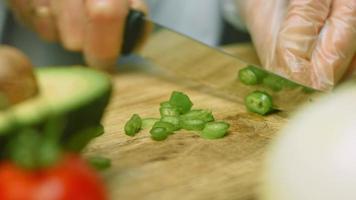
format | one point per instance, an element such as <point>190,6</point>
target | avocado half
<point>77,95</point>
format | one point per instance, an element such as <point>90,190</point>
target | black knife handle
<point>134,30</point>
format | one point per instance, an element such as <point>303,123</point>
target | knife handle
<point>134,30</point>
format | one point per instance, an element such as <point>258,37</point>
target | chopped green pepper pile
<point>177,114</point>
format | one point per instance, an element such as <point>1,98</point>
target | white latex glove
<point>94,27</point>
<point>310,41</point>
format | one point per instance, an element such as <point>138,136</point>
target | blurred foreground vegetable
<point>315,156</point>
<point>71,178</point>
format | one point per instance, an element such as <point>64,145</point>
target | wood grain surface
<point>184,166</point>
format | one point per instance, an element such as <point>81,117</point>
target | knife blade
<point>205,67</point>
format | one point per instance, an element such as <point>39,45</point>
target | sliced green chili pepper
<point>273,82</point>
<point>148,122</point>
<point>215,130</point>
<point>180,101</point>
<point>277,83</point>
<point>172,120</point>
<point>168,126</point>
<point>251,75</point>
<point>99,162</point>
<point>192,124</point>
<point>200,114</point>
<point>259,102</point>
<point>166,104</point>
<point>166,111</point>
<point>159,133</point>
<point>133,126</point>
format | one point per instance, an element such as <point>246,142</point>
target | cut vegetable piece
<point>168,126</point>
<point>277,83</point>
<point>192,124</point>
<point>168,111</point>
<point>215,130</point>
<point>166,104</point>
<point>259,102</point>
<point>99,163</point>
<point>172,120</point>
<point>200,114</point>
<point>180,101</point>
<point>159,133</point>
<point>78,94</point>
<point>251,75</point>
<point>133,126</point>
<point>148,122</point>
<point>274,82</point>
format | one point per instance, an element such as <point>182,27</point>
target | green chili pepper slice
<point>215,130</point>
<point>168,126</point>
<point>180,101</point>
<point>166,111</point>
<point>274,82</point>
<point>192,124</point>
<point>200,114</point>
<point>259,102</point>
<point>99,163</point>
<point>133,126</point>
<point>159,133</point>
<point>148,122</point>
<point>172,120</point>
<point>251,75</point>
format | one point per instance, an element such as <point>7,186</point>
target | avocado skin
<point>86,116</point>
<point>76,119</point>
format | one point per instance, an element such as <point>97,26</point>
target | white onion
<point>314,157</point>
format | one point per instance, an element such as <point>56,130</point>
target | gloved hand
<point>94,27</point>
<point>310,41</point>
<point>17,80</point>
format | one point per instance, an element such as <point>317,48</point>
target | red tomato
<point>70,179</point>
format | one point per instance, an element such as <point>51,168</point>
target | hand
<point>17,80</point>
<point>94,27</point>
<point>312,42</point>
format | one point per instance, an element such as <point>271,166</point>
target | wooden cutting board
<point>184,166</point>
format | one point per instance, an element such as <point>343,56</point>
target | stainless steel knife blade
<point>200,67</point>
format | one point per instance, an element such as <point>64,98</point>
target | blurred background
<point>214,22</point>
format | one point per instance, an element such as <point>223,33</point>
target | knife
<point>221,81</point>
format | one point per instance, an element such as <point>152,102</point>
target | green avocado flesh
<point>78,95</point>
